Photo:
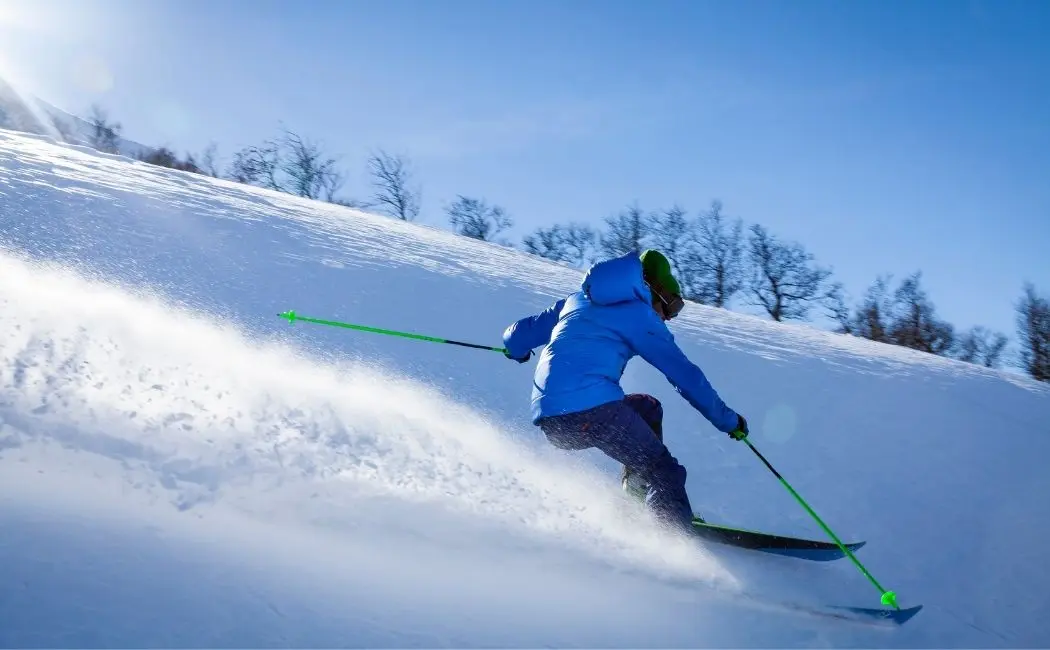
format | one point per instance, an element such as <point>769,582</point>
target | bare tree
<point>291,164</point>
<point>165,157</point>
<point>331,182</point>
<point>838,308</point>
<point>258,166</point>
<point>310,173</point>
<point>390,178</point>
<point>625,232</point>
<point>982,346</point>
<point>784,280</point>
<point>1033,333</point>
<point>477,219</point>
<point>573,243</point>
<point>669,232</point>
<point>105,135</point>
<point>580,244</point>
<point>907,317</point>
<point>873,317</point>
<point>210,160</point>
<point>713,266</point>
<point>161,156</point>
<point>915,324</point>
<point>546,242</point>
<point>189,164</point>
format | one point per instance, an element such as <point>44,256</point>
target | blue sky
<point>885,137</point>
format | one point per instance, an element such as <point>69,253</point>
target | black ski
<point>797,547</point>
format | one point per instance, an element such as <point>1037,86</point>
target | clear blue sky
<point>886,137</point>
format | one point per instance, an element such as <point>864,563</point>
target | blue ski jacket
<point>589,337</point>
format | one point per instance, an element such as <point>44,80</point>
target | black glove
<point>740,432</point>
<point>527,356</point>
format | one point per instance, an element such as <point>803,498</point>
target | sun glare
<point>37,16</point>
<point>44,37</point>
<point>16,13</point>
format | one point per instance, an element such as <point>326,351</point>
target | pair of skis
<point>803,549</point>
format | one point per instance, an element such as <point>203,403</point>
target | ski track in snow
<point>206,411</point>
<point>151,400</point>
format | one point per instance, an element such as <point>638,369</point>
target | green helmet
<point>657,270</point>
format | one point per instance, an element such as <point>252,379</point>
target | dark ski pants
<point>631,433</point>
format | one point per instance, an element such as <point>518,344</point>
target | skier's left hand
<point>740,432</point>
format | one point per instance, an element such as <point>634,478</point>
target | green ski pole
<point>888,597</point>
<point>292,317</point>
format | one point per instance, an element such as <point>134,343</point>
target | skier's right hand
<point>740,432</point>
<point>528,356</point>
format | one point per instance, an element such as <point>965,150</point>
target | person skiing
<point>588,337</point>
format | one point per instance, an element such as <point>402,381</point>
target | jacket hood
<point>616,280</point>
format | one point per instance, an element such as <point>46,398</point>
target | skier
<point>588,338</point>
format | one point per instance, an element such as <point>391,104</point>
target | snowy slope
<point>178,466</point>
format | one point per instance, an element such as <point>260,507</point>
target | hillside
<point>28,114</point>
<point>181,467</point>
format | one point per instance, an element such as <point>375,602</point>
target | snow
<point>181,467</point>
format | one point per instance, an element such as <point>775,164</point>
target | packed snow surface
<point>180,467</point>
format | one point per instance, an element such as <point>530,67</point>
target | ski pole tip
<point>889,598</point>
<point>290,315</point>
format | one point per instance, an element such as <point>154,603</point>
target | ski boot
<point>634,485</point>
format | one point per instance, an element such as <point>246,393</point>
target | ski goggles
<point>673,303</point>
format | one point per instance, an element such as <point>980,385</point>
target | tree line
<point>287,162</point>
<point>717,260</point>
